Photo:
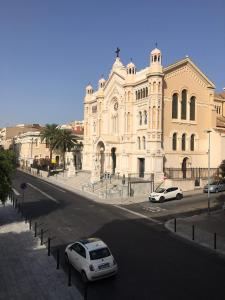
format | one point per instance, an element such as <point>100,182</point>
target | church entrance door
<point>141,162</point>
<point>184,167</point>
<point>113,154</point>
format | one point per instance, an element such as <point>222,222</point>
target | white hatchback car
<point>162,194</point>
<point>92,258</point>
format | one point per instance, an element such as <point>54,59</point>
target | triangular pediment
<point>114,85</point>
<point>188,65</point>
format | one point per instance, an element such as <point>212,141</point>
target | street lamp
<point>208,131</point>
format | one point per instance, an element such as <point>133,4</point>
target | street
<point>153,264</point>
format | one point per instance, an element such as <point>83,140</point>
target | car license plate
<point>103,266</point>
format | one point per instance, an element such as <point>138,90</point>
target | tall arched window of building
<point>139,95</point>
<point>145,117</point>
<point>192,108</point>
<point>139,142</point>
<point>136,95</point>
<point>140,118</point>
<point>128,122</point>
<point>144,142</point>
<point>184,105</point>
<point>183,142</point>
<point>143,93</point>
<point>175,106</point>
<point>192,142</point>
<point>146,92</point>
<point>174,142</point>
<point>159,87</point>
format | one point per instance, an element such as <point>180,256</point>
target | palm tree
<point>49,134</point>
<point>65,142</point>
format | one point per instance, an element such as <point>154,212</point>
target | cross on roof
<point>117,52</point>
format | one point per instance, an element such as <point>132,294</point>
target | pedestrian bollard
<point>193,232</point>
<point>49,246</point>
<point>69,274</point>
<point>30,224</point>
<point>58,253</point>
<point>85,291</point>
<point>215,241</point>
<point>35,229</point>
<point>42,236</point>
<point>175,225</point>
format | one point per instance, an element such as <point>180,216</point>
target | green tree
<point>65,142</point>
<point>7,167</point>
<point>49,134</point>
<point>222,168</point>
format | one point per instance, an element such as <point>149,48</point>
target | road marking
<point>138,214</point>
<point>15,192</point>
<point>154,209</point>
<point>43,193</point>
<point>53,186</point>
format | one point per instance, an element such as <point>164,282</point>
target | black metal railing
<point>190,173</point>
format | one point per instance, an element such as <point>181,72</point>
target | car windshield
<point>99,253</point>
<point>160,190</point>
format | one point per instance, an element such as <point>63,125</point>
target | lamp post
<point>208,131</point>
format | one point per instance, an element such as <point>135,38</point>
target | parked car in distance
<point>162,194</point>
<point>92,258</point>
<point>215,186</point>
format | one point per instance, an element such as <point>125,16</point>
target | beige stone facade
<point>145,121</point>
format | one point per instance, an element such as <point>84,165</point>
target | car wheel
<point>216,191</point>
<point>84,277</point>
<point>66,259</point>
<point>179,197</point>
<point>162,199</point>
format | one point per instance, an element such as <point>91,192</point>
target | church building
<point>151,120</point>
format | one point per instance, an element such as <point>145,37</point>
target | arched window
<point>174,143</point>
<point>146,92</point>
<point>175,106</point>
<point>192,108</point>
<point>139,142</point>
<point>144,142</point>
<point>159,87</point>
<point>154,86</point>
<point>192,142</point>
<point>143,93</point>
<point>140,118</point>
<point>184,105</point>
<point>145,117</point>
<point>128,122</point>
<point>136,95</point>
<point>183,142</point>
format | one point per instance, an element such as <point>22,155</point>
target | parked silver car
<point>215,186</point>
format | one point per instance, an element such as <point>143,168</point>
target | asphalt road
<point>153,264</point>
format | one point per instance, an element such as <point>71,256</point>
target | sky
<point>51,49</point>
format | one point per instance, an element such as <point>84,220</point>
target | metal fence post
<point>35,229</point>
<point>215,241</point>
<point>30,224</point>
<point>193,232</point>
<point>69,274</point>
<point>58,253</point>
<point>41,236</point>
<point>49,246</point>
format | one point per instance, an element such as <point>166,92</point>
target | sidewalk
<point>74,184</point>
<point>201,229</point>
<point>27,272</point>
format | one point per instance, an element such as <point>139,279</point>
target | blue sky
<point>50,49</point>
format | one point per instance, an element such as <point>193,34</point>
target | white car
<point>92,258</point>
<point>162,194</point>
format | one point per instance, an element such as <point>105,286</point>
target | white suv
<point>162,194</point>
<point>92,258</point>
